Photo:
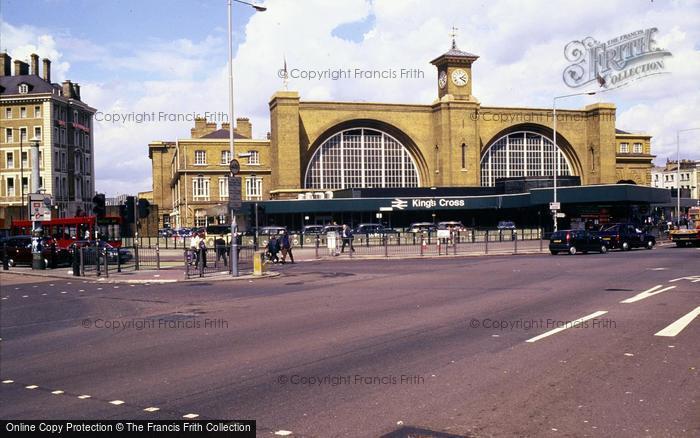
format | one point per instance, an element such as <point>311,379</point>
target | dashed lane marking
<point>283,432</point>
<point>31,386</point>
<point>152,409</point>
<point>116,402</point>
<point>8,381</point>
<point>575,323</point>
<point>84,397</point>
<point>647,293</point>
<point>678,326</point>
<point>57,392</point>
<point>190,416</point>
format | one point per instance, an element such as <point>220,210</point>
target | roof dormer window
<point>23,88</point>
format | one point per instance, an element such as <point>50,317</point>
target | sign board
<point>234,193</point>
<point>555,206</point>
<point>561,214</point>
<point>427,204</point>
<point>443,234</point>
<point>39,207</point>
<point>378,215</point>
<point>385,209</point>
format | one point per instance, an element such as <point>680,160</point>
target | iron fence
<point>99,261</point>
<point>210,261</point>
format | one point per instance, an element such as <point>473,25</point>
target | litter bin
<point>259,263</point>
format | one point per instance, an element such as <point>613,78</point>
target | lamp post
<point>556,148</point>
<point>234,198</point>
<point>678,172</point>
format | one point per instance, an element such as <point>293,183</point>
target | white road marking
<point>32,387</point>
<point>51,284</point>
<point>646,294</point>
<point>152,409</point>
<point>657,269</point>
<point>289,432</point>
<point>116,287</point>
<point>99,288</point>
<point>83,397</point>
<point>190,416</point>
<point>44,294</point>
<point>568,325</point>
<point>64,292</point>
<point>116,402</point>
<point>4,298</point>
<point>57,392</point>
<point>679,325</point>
<point>25,296</point>
<point>629,354</point>
<point>692,278</point>
<point>81,290</point>
<point>8,381</point>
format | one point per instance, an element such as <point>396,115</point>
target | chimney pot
<point>21,68</point>
<point>35,64</point>
<point>47,70</point>
<point>5,64</point>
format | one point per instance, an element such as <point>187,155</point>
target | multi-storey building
<point>32,108</point>
<point>190,176</point>
<point>667,177</point>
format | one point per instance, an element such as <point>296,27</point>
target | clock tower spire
<point>454,69</point>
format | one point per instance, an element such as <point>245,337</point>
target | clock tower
<point>454,73</point>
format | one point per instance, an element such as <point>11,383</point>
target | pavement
<point>535,345</point>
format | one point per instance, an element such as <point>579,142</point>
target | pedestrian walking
<point>347,237</point>
<point>273,247</point>
<point>220,245</point>
<point>203,251</point>
<point>194,248</point>
<point>286,246</point>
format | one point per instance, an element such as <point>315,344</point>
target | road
<point>353,348</point>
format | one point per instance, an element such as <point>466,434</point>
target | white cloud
<point>520,45</point>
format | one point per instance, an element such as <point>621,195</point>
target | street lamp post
<point>556,148</point>
<point>678,172</point>
<point>234,198</point>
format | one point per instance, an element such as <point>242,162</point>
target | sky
<point>170,58</point>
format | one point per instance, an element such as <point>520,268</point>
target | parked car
<point>506,225</point>
<point>451,225</point>
<point>422,227</point>
<point>19,252</point>
<point>369,229</point>
<point>574,241</point>
<point>626,236</point>
<point>165,232</point>
<point>312,229</point>
<point>271,230</point>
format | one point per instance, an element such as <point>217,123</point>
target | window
<point>637,148</point>
<point>10,186</point>
<point>37,132</point>
<point>225,157</point>
<point>8,113</point>
<point>253,187</point>
<point>200,188</point>
<point>25,185</point>
<point>8,135</point>
<point>25,159</point>
<point>10,160</point>
<point>361,157</point>
<point>23,134</point>
<point>254,157</point>
<point>223,189</point>
<point>522,154</point>
<point>23,112</point>
<point>200,218</point>
<point>624,148</point>
<point>23,88</point>
<point>37,112</point>
<point>464,156</point>
<point>200,157</point>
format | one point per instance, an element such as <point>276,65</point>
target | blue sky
<point>140,56</point>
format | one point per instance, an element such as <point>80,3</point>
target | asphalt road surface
<point>463,346</point>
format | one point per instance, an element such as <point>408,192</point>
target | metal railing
<point>102,261</point>
<point>210,261</point>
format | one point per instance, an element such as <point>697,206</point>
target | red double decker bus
<point>68,230</point>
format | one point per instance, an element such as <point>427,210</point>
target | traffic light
<point>144,208</point>
<point>98,205</point>
<point>129,204</point>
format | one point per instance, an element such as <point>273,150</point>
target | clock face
<point>442,79</point>
<point>234,166</point>
<point>460,77</point>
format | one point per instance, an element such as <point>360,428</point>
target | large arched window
<point>361,157</point>
<point>521,153</point>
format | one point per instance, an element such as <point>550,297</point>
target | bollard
<point>76,263</point>
<point>259,266</point>
<point>136,256</point>
<point>119,260</point>
<point>107,262</point>
<point>5,261</point>
<point>82,262</point>
<point>318,244</point>
<point>486,240</point>
<point>157,256</point>
<point>386,246</point>
<point>422,245</point>
<point>515,244</point>
<point>98,266</point>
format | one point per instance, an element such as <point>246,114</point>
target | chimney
<point>21,68</point>
<point>47,70</point>
<point>226,126</point>
<point>5,64</point>
<point>200,128</point>
<point>76,88</point>
<point>68,89</point>
<point>35,64</point>
<point>244,128</point>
